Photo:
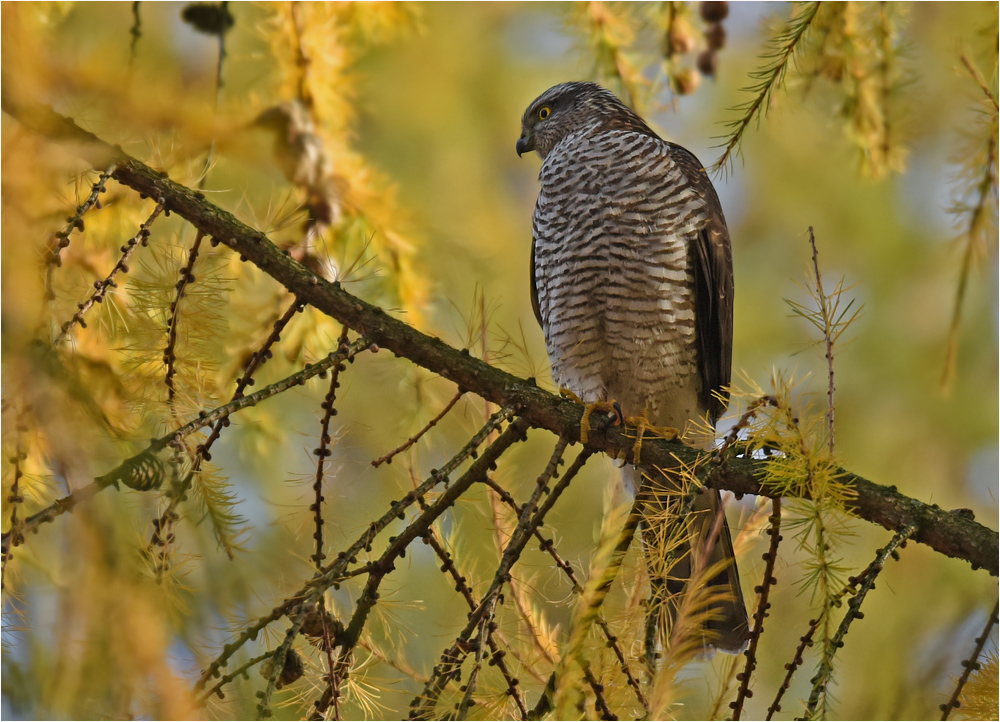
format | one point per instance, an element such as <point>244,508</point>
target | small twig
<point>14,499</point>
<point>231,676</point>
<point>867,576</point>
<point>517,591</point>
<point>74,223</point>
<point>970,665</point>
<point>760,614</point>
<point>162,536</point>
<point>600,703</point>
<point>136,32</point>
<point>462,587</point>
<point>822,678</point>
<point>101,287</point>
<point>422,706</point>
<point>169,358</point>
<point>548,546</point>
<point>280,655</point>
<point>478,644</point>
<point>419,527</point>
<point>828,323</point>
<point>336,571</point>
<point>980,81</point>
<point>387,459</point>
<point>205,418</point>
<point>323,452</point>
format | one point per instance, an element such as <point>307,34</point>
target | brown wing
<point>534,284</point>
<point>712,267</point>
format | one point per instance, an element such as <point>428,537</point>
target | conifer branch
<point>122,473</point>
<point>225,679</point>
<point>779,55</point>
<point>533,515</point>
<point>548,546</point>
<point>101,287</point>
<point>280,657</point>
<point>462,587</point>
<point>823,676</point>
<point>14,499</point>
<point>387,459</point>
<point>169,357</point>
<point>760,614</point>
<point>954,533</point>
<point>970,665</point>
<point>323,453</point>
<point>74,223</point>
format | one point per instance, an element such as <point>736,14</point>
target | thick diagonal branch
<point>954,534</point>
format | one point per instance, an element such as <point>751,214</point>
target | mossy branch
<point>953,533</point>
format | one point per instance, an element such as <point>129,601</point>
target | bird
<point>632,283</point>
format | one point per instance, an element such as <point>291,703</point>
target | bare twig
<point>387,459</point>
<point>323,452</point>
<point>136,32</point>
<point>14,499</point>
<point>216,689</point>
<point>828,323</point>
<point>169,358</point>
<point>970,665</point>
<point>867,581</point>
<point>763,589</point>
<point>162,536</point>
<point>422,707</point>
<point>823,675</point>
<point>336,571</point>
<point>74,223</point>
<point>101,287</point>
<point>950,533</point>
<point>205,418</point>
<point>280,655</point>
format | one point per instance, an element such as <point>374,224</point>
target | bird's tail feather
<point>695,585</point>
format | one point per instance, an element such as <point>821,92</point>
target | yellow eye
<point>544,112</point>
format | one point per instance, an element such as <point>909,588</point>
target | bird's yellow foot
<point>642,426</point>
<point>588,409</point>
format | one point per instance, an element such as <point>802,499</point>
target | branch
<point>952,533</point>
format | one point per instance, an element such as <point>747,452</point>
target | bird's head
<point>568,108</point>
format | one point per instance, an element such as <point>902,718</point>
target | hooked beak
<point>525,144</point>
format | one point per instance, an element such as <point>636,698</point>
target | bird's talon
<point>588,409</point>
<point>642,425</point>
<point>567,394</point>
<point>617,407</point>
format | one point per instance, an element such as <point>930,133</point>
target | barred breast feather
<point>613,228</point>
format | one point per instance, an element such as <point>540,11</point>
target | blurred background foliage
<point>375,142</point>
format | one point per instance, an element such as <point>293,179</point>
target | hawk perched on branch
<point>632,282</point>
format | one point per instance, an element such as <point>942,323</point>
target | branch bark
<point>953,533</point>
